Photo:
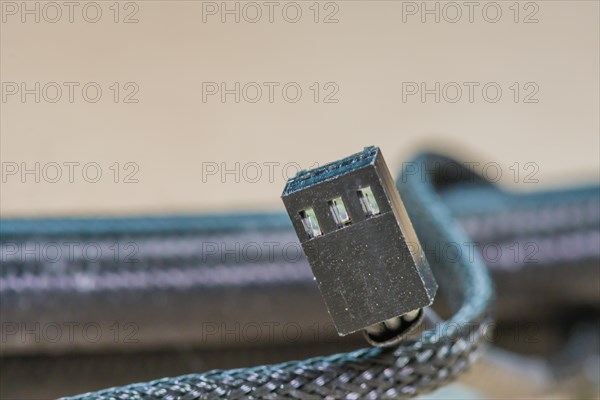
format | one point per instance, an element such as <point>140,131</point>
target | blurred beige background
<point>176,131</point>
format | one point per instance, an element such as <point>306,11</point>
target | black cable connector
<point>361,246</point>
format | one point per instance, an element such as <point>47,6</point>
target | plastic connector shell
<point>359,241</point>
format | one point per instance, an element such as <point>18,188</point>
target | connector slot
<point>339,212</point>
<point>368,202</point>
<point>310,223</point>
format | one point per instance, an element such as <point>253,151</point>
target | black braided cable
<point>415,366</point>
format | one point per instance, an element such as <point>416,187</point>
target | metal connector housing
<point>359,241</point>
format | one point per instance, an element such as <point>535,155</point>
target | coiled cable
<point>415,366</point>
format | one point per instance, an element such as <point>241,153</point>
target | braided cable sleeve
<point>413,367</point>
